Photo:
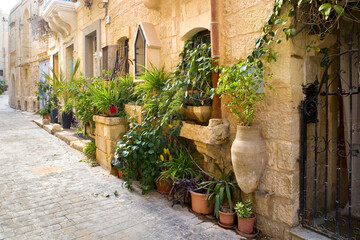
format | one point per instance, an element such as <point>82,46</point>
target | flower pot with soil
<point>246,218</point>
<point>200,203</point>
<point>226,217</point>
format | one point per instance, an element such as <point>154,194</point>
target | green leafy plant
<point>243,210</point>
<point>242,82</point>
<point>219,188</point>
<point>195,72</point>
<point>42,95</point>
<point>90,150</point>
<point>114,93</point>
<point>179,167</point>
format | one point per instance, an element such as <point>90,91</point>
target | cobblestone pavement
<point>47,193</point>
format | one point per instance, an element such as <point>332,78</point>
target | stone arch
<point>189,34</point>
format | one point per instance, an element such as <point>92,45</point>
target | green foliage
<point>90,150</point>
<point>179,167</point>
<point>141,149</point>
<point>219,188</point>
<point>195,72</point>
<point>42,95</point>
<point>242,82</point>
<point>3,86</point>
<point>243,210</point>
<point>154,81</point>
<point>113,93</point>
<point>85,110</point>
<point>143,144</point>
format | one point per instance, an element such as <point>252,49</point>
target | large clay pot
<point>200,203</point>
<point>246,225</point>
<point>248,157</point>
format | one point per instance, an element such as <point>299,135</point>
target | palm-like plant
<point>219,188</point>
<point>112,93</point>
<point>154,81</point>
<point>63,87</point>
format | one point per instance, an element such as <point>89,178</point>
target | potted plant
<point>66,90</point>
<point>110,97</point>
<point>43,96</point>
<point>246,218</point>
<point>174,168</point>
<point>223,190</point>
<point>243,83</point>
<point>53,94</point>
<point>195,73</point>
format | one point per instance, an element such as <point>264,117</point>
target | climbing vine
<point>245,80</point>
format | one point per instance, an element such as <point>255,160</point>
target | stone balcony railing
<point>61,16</point>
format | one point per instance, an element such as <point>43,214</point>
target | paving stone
<point>65,198</point>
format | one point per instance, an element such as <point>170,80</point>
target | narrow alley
<point>46,192</point>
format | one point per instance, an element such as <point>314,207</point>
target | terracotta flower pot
<point>246,225</point>
<point>163,187</point>
<point>248,157</point>
<point>120,174</point>
<point>200,203</point>
<point>227,219</point>
<point>47,116</point>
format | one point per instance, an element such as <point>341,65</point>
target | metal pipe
<point>214,34</point>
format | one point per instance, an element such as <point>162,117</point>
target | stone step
<point>300,233</point>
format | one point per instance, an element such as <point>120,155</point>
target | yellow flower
<point>157,161</point>
<point>170,158</point>
<point>161,157</point>
<point>166,151</point>
<point>170,126</point>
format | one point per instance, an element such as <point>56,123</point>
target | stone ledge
<point>217,132</point>
<point>300,233</point>
<point>67,136</point>
<point>110,120</point>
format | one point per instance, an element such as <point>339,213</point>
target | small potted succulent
<point>246,218</point>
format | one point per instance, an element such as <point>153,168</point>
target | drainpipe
<point>214,33</point>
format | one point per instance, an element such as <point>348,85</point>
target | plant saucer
<point>225,226</point>
<point>247,235</point>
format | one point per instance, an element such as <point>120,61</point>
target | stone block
<point>283,184</point>
<point>100,143</point>
<point>285,210</point>
<point>115,133</point>
<point>134,111</point>
<point>110,146</point>
<point>109,120</point>
<point>270,227</point>
<point>99,129</point>
<point>56,128</point>
<point>45,121</point>
<point>287,154</point>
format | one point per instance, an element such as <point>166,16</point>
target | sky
<point>6,5</point>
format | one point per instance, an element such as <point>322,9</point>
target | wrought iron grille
<point>330,145</point>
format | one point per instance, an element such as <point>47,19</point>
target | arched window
<point>140,43</point>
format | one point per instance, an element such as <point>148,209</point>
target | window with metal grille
<point>140,42</point>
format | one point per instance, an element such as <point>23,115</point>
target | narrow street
<point>47,193</point>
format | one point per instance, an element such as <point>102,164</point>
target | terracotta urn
<point>200,203</point>
<point>248,157</point>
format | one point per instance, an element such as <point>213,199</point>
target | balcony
<point>61,16</point>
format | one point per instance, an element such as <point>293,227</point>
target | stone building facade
<point>28,52</point>
<point>94,33</point>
